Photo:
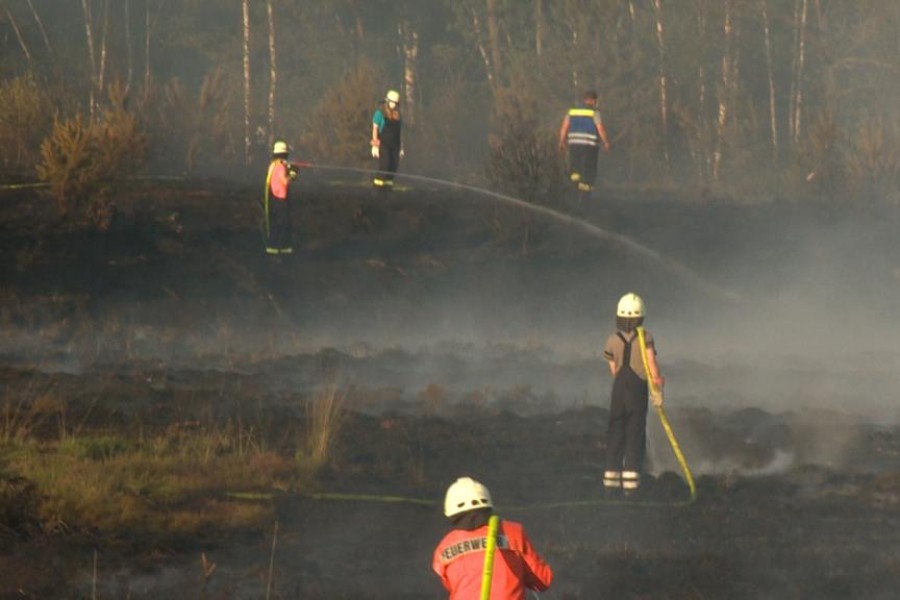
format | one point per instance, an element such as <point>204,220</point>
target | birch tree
<point>725,90</point>
<point>663,82</point>
<point>40,24</point>
<point>92,63</point>
<point>245,13</point>
<point>19,38</point>
<point>799,62</point>
<point>101,73</point>
<point>273,70</point>
<point>409,37</point>
<point>773,117</point>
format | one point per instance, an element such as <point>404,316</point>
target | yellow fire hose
<point>487,574</point>
<point>654,393</point>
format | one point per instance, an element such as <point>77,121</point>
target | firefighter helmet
<point>280,147</point>
<point>630,305</point>
<point>466,494</point>
<point>393,96</point>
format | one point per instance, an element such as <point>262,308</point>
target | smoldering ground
<point>470,332</point>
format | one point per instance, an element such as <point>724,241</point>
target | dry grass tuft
<point>326,414</point>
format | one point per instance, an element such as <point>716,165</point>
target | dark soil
<point>466,334</point>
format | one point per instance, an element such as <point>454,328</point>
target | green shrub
<point>195,126</point>
<point>341,123</point>
<point>81,159</point>
<point>25,118</point>
<point>524,159</point>
<point>873,157</point>
<point>18,503</point>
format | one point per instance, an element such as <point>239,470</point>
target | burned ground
<point>465,332</point>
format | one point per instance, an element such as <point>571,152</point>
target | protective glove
<point>374,151</point>
<point>656,392</point>
<point>402,153</point>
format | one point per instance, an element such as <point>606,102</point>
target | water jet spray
<point>670,265</point>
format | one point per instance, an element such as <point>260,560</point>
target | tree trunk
<point>18,33</point>
<point>773,117</point>
<point>493,25</point>
<point>273,71</point>
<point>101,74</point>
<point>663,83</point>
<point>703,156</point>
<point>89,35</point>
<point>246,55</point>
<point>40,25</point>
<point>800,62</point>
<point>410,39</point>
<point>129,77</point>
<point>724,94</point>
<point>148,29</point>
<point>476,29</point>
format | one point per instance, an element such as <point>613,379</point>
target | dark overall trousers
<point>626,435</point>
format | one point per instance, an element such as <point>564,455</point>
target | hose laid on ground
<point>667,427</point>
<point>487,574</point>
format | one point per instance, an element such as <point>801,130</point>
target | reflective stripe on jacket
<point>582,127</point>
<point>459,560</point>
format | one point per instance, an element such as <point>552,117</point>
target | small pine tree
<point>341,122</point>
<point>523,159</point>
<point>80,160</point>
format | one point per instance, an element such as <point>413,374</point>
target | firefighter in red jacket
<point>459,557</point>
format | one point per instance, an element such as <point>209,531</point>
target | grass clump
<point>153,488</point>
<point>326,414</point>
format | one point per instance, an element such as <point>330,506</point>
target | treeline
<point>792,98</point>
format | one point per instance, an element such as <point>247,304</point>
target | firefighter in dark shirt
<point>582,132</point>
<point>386,143</point>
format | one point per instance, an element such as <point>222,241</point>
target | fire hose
<point>655,393</point>
<point>487,573</point>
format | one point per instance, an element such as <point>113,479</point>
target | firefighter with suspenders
<point>386,143</point>
<point>626,436</point>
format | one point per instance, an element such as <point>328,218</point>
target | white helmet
<point>280,147</point>
<point>466,494</point>
<point>630,305</point>
<point>393,96</point>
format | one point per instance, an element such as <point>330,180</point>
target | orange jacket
<point>459,562</point>
<point>278,179</point>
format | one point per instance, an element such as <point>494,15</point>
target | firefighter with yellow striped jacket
<point>276,207</point>
<point>626,436</point>
<point>583,133</point>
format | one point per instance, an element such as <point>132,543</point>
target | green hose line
<point>667,427</point>
<point>24,186</point>
<point>487,574</point>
